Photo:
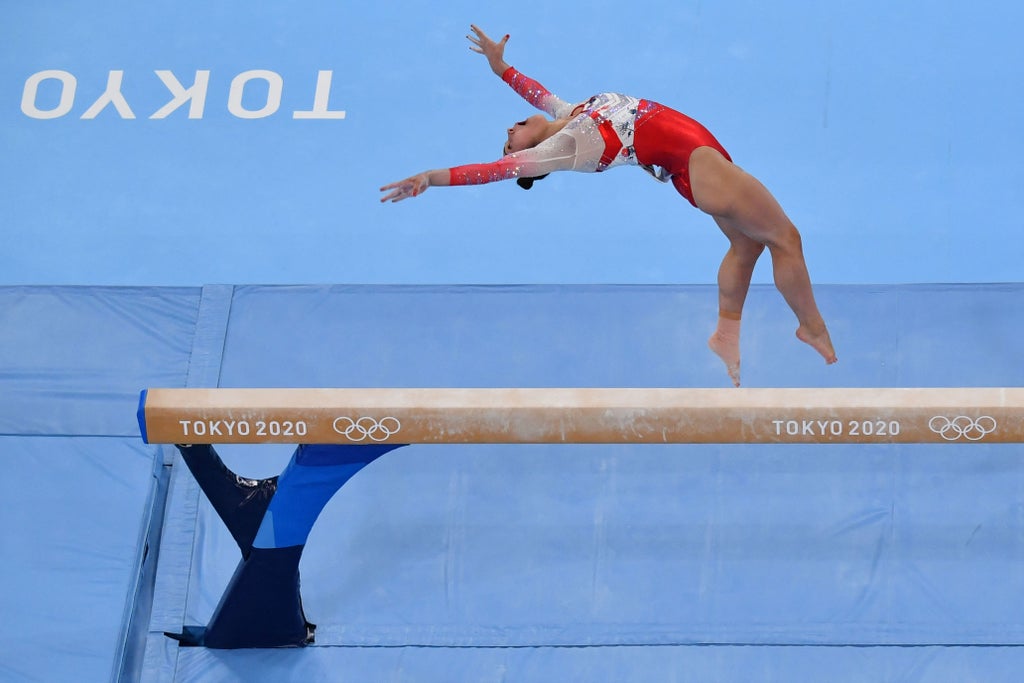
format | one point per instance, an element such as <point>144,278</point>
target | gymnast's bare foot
<point>727,347</point>
<point>821,342</point>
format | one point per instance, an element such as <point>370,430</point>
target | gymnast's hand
<point>493,51</point>
<point>413,186</point>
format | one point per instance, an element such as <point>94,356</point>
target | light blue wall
<point>889,131</point>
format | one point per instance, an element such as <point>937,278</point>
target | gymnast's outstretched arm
<point>527,88</point>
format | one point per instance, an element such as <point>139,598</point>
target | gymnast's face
<point>525,134</point>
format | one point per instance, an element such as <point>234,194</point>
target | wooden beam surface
<point>583,415</point>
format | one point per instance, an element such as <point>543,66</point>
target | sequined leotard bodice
<point>607,130</point>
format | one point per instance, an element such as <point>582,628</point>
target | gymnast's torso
<point>608,130</point>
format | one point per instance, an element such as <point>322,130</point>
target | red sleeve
<point>478,174</point>
<point>534,93</point>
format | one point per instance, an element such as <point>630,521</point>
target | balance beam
<point>580,415</point>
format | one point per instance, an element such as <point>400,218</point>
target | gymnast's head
<point>525,134</point>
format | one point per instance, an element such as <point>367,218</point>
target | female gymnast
<point>611,130</point>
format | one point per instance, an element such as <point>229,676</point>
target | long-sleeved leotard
<point>605,131</point>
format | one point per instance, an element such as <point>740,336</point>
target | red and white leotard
<point>605,131</point>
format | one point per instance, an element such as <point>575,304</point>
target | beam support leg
<point>270,520</point>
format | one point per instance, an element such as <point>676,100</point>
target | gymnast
<point>611,130</point>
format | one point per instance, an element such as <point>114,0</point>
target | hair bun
<point>527,183</point>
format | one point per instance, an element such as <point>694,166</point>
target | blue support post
<point>270,520</point>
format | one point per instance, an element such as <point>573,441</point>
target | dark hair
<point>527,183</point>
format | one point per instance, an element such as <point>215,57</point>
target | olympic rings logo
<point>962,427</point>
<point>367,428</point>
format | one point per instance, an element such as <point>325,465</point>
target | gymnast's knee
<point>747,250</point>
<point>786,239</point>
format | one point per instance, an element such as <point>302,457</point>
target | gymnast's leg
<point>733,284</point>
<point>740,203</point>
